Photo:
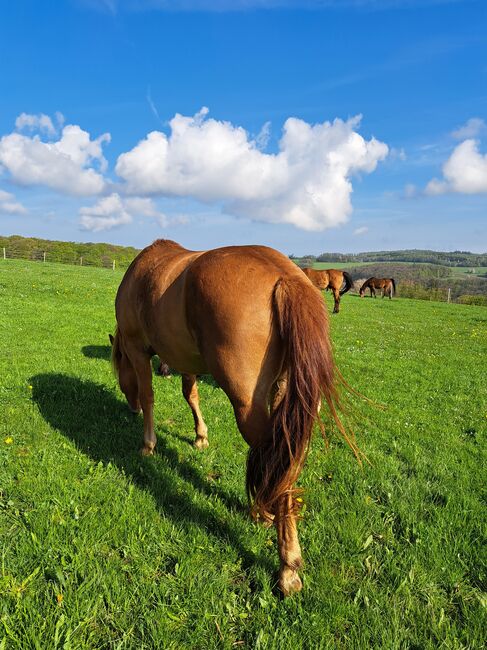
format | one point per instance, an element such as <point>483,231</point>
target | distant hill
<point>453,258</point>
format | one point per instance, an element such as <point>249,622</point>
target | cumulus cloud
<point>8,204</point>
<point>113,211</point>
<point>307,183</point>
<point>465,171</point>
<point>471,129</point>
<point>73,164</point>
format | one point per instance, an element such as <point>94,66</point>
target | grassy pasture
<point>101,548</point>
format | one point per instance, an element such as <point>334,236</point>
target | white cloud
<point>65,165</point>
<point>471,129</point>
<point>113,211</point>
<point>465,171</point>
<point>8,204</point>
<point>108,213</point>
<point>263,137</point>
<point>307,183</point>
<point>39,122</point>
<point>361,231</point>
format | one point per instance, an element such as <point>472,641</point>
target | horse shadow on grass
<point>102,427</point>
<point>97,352</point>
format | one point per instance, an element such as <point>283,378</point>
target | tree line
<point>453,258</point>
<point>68,252</point>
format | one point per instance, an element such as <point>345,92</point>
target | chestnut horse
<point>248,316</point>
<point>386,285</point>
<point>331,279</point>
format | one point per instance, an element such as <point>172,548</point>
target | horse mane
<point>167,243</point>
<point>365,285</point>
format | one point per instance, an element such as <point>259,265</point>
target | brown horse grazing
<point>248,316</point>
<point>331,279</point>
<point>386,285</point>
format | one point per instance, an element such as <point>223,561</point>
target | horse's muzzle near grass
<point>386,286</point>
<point>251,318</point>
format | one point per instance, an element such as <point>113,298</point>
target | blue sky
<point>279,157</point>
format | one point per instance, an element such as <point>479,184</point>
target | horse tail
<point>393,286</point>
<point>348,283</point>
<point>274,466</point>
<point>116,351</point>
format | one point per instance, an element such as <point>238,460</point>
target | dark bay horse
<point>248,316</point>
<point>387,287</point>
<point>331,279</point>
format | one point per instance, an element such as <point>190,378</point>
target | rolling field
<point>101,548</point>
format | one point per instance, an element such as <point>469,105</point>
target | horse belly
<point>173,340</point>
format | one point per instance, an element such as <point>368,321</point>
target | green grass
<point>101,548</point>
<point>469,270</point>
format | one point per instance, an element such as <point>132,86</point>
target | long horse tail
<point>393,285</point>
<point>348,283</point>
<point>116,351</point>
<point>274,466</point>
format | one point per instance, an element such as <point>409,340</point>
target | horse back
<point>229,299</point>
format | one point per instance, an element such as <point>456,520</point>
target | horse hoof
<point>135,411</point>
<point>201,443</point>
<point>290,583</point>
<point>147,451</point>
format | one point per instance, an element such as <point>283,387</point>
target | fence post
<point>81,261</point>
<point>449,294</point>
<point>113,265</point>
<point>44,255</point>
<point>4,255</point>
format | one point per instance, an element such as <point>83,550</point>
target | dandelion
<point>59,598</point>
<point>30,387</point>
<point>8,441</point>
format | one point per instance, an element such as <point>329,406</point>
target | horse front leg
<point>141,363</point>
<point>190,392</point>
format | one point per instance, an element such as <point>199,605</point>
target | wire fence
<point>39,255</point>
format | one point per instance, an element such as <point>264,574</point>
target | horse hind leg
<point>263,461</point>
<point>264,471</point>
<point>288,543</point>
<point>336,296</point>
<point>190,392</point>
